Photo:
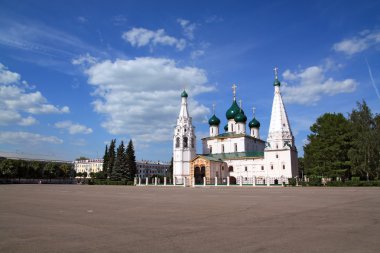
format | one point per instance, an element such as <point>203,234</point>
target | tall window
<point>246,169</point>
<point>232,127</point>
<point>210,149</point>
<point>177,142</point>
<point>235,146</point>
<point>283,167</point>
<point>185,142</point>
<point>222,148</point>
<point>192,142</point>
<point>271,167</point>
<point>262,167</point>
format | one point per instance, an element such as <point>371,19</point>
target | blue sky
<point>75,74</point>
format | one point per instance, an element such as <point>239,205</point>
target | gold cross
<point>253,110</point>
<point>276,72</point>
<point>234,90</point>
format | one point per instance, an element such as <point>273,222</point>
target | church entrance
<point>232,180</point>
<point>199,173</point>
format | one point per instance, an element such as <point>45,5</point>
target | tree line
<point>10,168</point>
<point>344,147</point>
<point>120,164</point>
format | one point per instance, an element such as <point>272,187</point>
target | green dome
<point>254,123</point>
<point>233,110</point>
<point>214,121</point>
<point>226,127</point>
<point>276,82</point>
<point>184,94</point>
<point>240,117</point>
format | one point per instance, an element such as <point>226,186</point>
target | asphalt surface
<point>83,218</point>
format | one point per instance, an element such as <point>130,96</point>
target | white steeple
<point>280,135</point>
<point>184,143</point>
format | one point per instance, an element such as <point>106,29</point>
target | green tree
<point>120,167</point>
<point>170,171</point>
<point>49,170</point>
<point>82,158</point>
<point>364,154</point>
<point>65,169</point>
<point>131,161</point>
<point>326,154</point>
<point>105,160</point>
<point>111,157</point>
<point>7,168</point>
<point>301,166</point>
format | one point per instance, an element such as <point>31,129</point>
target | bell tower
<point>184,143</point>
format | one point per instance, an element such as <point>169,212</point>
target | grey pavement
<point>83,218</point>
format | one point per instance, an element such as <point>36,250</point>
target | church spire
<point>183,113</point>
<point>279,133</point>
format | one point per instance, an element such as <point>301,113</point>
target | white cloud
<point>141,97</point>
<point>359,43</point>
<point>310,84</point>
<point>86,59</point>
<point>140,37</point>
<point>188,28</point>
<point>196,54</point>
<point>119,20</point>
<point>27,138</point>
<point>16,100</point>
<point>7,77</point>
<point>73,128</point>
<point>82,19</point>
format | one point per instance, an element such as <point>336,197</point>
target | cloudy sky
<point>75,74</point>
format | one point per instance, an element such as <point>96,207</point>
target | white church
<point>237,155</point>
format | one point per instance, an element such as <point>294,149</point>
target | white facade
<point>144,168</point>
<point>89,166</point>
<point>242,153</point>
<point>184,142</point>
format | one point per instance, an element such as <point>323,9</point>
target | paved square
<point>82,218</point>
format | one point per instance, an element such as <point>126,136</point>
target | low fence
<point>216,181</point>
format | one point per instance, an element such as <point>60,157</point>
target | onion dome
<point>226,127</point>
<point>240,117</point>
<point>233,110</point>
<point>214,121</point>
<point>184,94</point>
<point>276,82</point>
<point>254,123</point>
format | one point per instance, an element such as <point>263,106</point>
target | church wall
<point>277,160</point>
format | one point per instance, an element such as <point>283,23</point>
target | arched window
<point>283,166</point>
<point>262,167</point>
<point>177,142</point>
<point>235,146</point>
<point>185,142</point>
<point>210,149</point>
<point>192,142</point>
<point>231,169</point>
<point>271,167</point>
<point>222,148</point>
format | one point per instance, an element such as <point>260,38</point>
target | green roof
<point>233,110</point>
<point>214,121</point>
<point>254,123</point>
<point>184,94</point>
<point>235,155</point>
<point>276,82</point>
<point>240,117</point>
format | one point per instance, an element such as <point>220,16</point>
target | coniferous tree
<point>326,154</point>
<point>111,157</point>
<point>364,154</point>
<point>170,172</point>
<point>105,161</point>
<point>118,171</point>
<point>131,161</point>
